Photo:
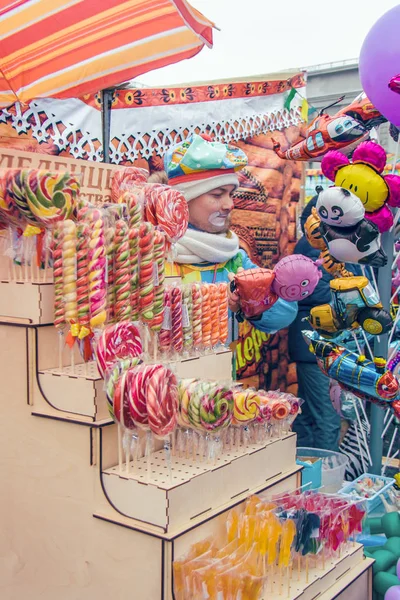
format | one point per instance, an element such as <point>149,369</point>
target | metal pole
<point>106,102</point>
<point>381,350</point>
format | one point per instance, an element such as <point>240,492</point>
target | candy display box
<point>375,501</point>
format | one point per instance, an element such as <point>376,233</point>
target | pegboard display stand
<point>80,528</point>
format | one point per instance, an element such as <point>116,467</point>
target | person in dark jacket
<point>318,425</point>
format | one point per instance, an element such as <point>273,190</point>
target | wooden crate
<point>196,488</point>
<point>28,303</point>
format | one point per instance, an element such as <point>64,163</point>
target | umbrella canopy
<point>69,48</point>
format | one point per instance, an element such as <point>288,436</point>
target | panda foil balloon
<point>348,235</point>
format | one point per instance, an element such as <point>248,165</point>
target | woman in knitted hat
<point>206,173</point>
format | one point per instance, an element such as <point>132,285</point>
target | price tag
<point>155,274</point>
<point>185,316</point>
<point>167,324</point>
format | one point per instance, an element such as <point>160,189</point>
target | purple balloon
<point>398,568</point>
<point>380,62</point>
<point>393,593</point>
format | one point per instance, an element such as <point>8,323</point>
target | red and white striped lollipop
<point>123,179</point>
<point>117,342</point>
<point>162,401</point>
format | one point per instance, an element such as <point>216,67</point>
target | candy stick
<point>119,448</point>
<point>164,338</point>
<point>135,217</point>
<point>214,306</point>
<point>206,316</point>
<point>223,313</point>
<point>176,319</point>
<point>69,271</point>
<point>122,272</point>
<point>110,254</point>
<point>82,287</point>
<point>59,314</point>
<point>159,280</point>
<point>97,271</point>
<point>187,317</point>
<point>146,271</point>
<point>197,316</point>
<point>134,257</point>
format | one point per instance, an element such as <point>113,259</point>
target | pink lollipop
<point>162,401</point>
<point>117,342</point>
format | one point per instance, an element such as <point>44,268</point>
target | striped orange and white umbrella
<point>69,48</point>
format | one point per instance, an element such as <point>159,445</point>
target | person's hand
<point>233,298</point>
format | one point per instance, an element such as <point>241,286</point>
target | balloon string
<point>390,449</point>
<point>394,327</point>
<point>387,424</point>
<point>363,433</point>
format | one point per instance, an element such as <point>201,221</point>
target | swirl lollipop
<point>168,207</point>
<point>112,378</point>
<point>162,401</point>
<point>49,196</point>
<point>127,178</point>
<point>245,407</point>
<point>117,342</point>
<point>211,406</point>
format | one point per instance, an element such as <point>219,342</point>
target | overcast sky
<point>265,36</point>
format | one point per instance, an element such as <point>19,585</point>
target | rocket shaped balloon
<point>366,379</point>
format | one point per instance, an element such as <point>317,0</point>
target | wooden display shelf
<point>319,580</point>
<point>353,585</point>
<point>196,488</point>
<point>79,391</point>
<point>26,303</point>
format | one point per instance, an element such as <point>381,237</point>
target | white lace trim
<point>75,128</point>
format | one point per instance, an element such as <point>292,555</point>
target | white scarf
<point>199,246</point>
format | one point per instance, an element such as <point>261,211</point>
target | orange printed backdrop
<point>265,220</point>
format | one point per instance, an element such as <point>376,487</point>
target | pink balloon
<point>380,62</point>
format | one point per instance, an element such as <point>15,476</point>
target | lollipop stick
<point>167,450</point>
<point>298,567</point>
<point>120,449</point>
<point>127,450</point>
<point>46,262</point>
<point>60,349</point>
<point>12,274</point>
<point>148,452</point>
<point>306,569</point>
<point>73,360</point>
